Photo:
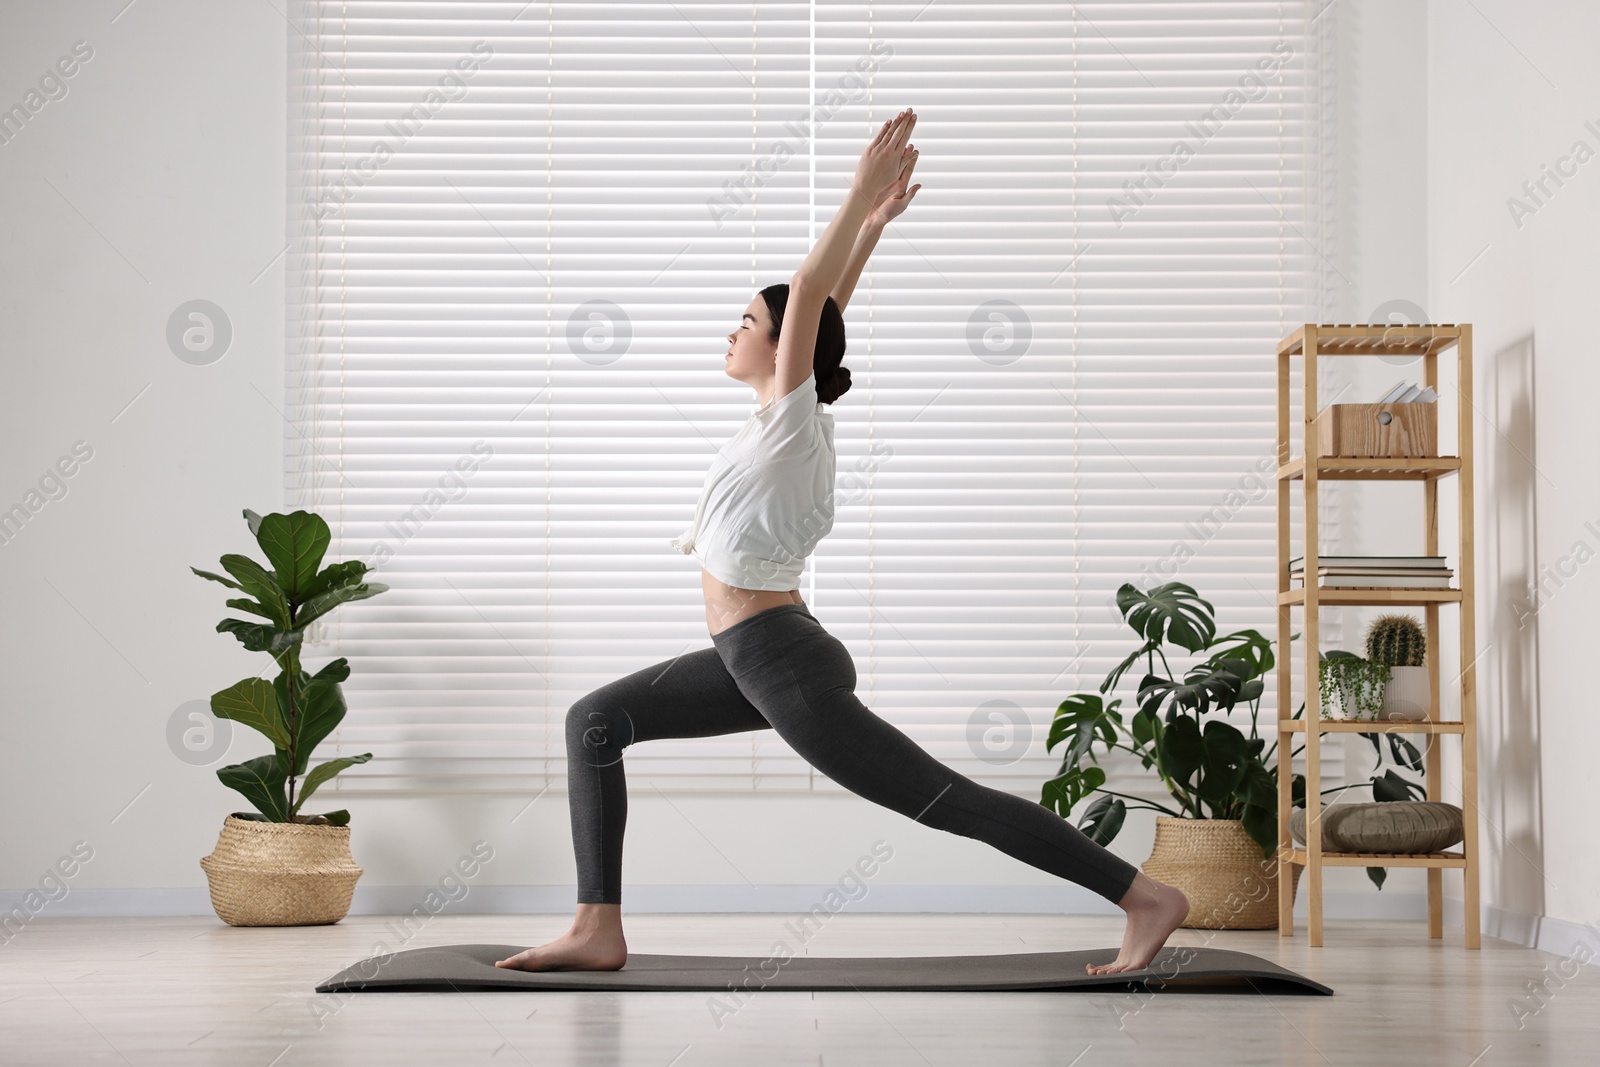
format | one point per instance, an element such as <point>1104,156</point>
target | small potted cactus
<point>1398,641</point>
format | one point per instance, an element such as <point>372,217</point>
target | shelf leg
<point>1469,643</point>
<point>1285,771</point>
<point>1432,764</point>
<point>1313,624</point>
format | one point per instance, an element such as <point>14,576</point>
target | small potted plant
<point>1398,642</point>
<point>1351,687</point>
<point>275,866</point>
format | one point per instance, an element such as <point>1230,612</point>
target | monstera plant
<point>1211,770</point>
<point>295,710</point>
<point>1209,767</point>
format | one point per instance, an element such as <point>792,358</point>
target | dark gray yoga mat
<point>457,968</point>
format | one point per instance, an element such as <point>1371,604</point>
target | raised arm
<point>880,165</point>
<point>891,202</point>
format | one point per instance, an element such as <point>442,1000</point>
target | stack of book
<point>1360,572</point>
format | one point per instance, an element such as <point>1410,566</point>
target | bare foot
<point>1154,910</point>
<point>594,943</point>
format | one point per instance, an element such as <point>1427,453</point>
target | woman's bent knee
<point>597,730</point>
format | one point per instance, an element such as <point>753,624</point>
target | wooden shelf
<point>1359,339</point>
<point>1382,859</point>
<point>1372,595</point>
<point>1375,726</point>
<point>1427,341</point>
<point>1422,468</point>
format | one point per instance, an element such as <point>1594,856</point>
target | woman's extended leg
<point>688,696</point>
<point>802,680</point>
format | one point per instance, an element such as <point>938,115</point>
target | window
<point>522,232</point>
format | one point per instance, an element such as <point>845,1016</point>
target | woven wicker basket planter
<point>1219,867</point>
<point>281,874</point>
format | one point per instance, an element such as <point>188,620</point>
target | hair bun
<point>835,384</point>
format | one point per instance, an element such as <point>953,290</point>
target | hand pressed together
<point>884,162</point>
<point>895,198</point>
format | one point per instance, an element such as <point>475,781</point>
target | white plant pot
<point>1407,696</point>
<point>1340,703</point>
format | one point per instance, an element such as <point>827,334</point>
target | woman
<point>767,501</point>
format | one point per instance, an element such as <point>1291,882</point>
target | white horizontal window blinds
<point>1068,366</point>
<point>522,233</point>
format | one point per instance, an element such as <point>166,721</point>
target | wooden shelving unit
<point>1429,342</point>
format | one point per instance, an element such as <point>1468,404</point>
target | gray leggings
<point>779,669</point>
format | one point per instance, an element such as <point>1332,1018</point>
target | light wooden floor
<point>195,991</point>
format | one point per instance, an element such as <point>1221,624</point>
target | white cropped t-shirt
<point>768,497</point>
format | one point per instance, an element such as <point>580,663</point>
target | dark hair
<point>827,362</point>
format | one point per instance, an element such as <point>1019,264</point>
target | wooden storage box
<point>1379,431</point>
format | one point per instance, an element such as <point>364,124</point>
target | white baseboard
<point>557,899</point>
<point>1542,932</point>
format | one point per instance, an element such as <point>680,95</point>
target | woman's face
<point>751,356</point>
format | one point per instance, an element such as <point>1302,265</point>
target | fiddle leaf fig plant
<point>296,710</point>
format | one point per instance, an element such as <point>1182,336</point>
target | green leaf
<point>1226,763</point>
<point>1063,791</point>
<point>1103,818</point>
<point>1142,728</point>
<point>1079,718</point>
<point>323,603</point>
<point>295,544</point>
<point>1249,647</point>
<point>338,818</point>
<point>322,708</point>
<point>254,579</point>
<point>259,637</point>
<point>242,604</point>
<point>261,780</point>
<point>1391,786</point>
<point>324,771</point>
<point>253,521</point>
<point>332,576</point>
<point>1405,753</point>
<point>1171,612</point>
<point>1260,814</point>
<point>1203,685</point>
<point>1260,787</point>
<point>1377,874</point>
<point>1262,826</point>
<point>230,583</point>
<point>253,702</point>
<point>1182,751</point>
<point>1133,657</point>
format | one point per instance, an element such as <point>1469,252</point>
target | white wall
<point>1511,86</point>
<point>159,179</point>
